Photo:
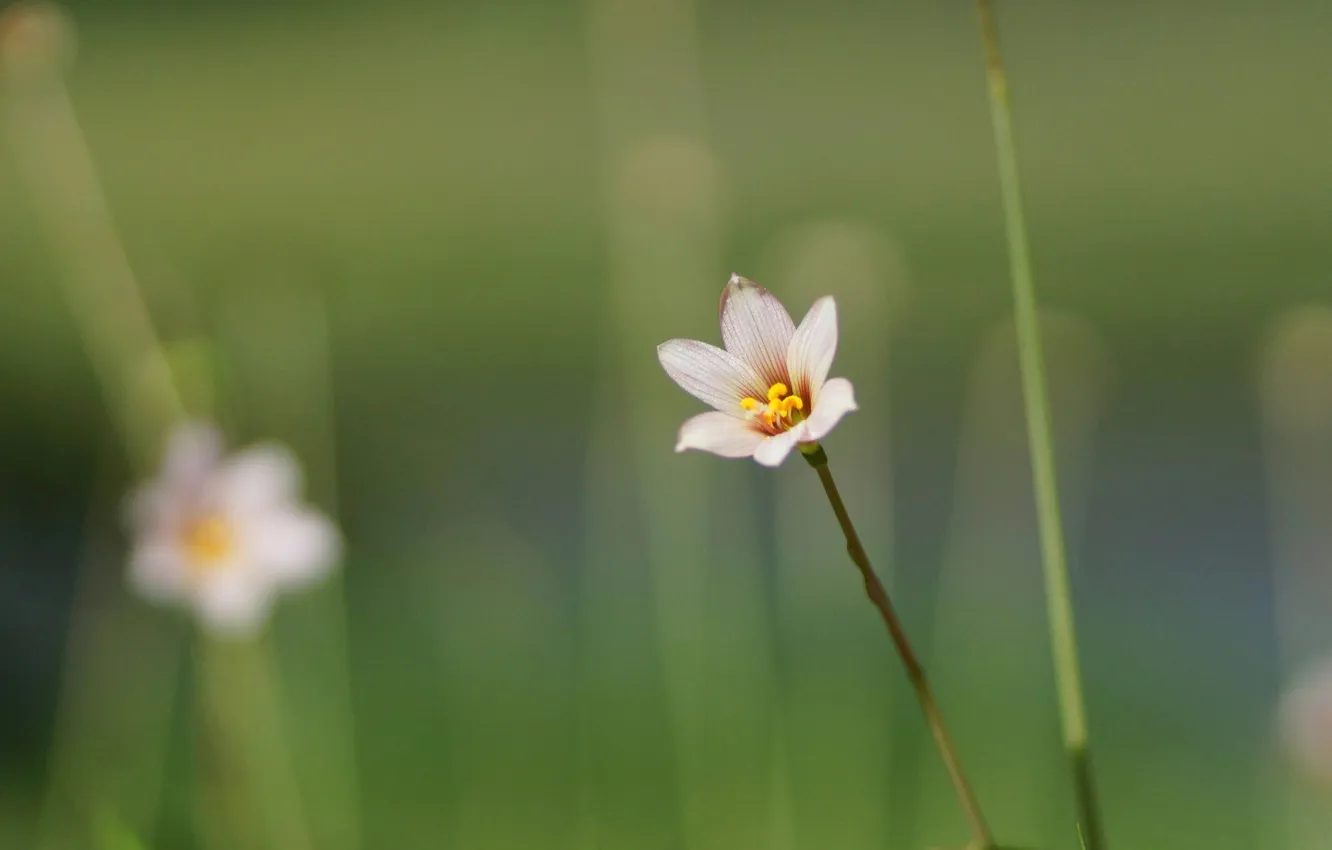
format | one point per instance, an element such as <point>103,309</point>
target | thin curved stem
<point>874,588</point>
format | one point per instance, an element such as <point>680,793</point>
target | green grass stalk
<point>1063,635</point>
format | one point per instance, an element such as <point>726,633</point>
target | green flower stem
<point>874,588</point>
<point>249,794</point>
<point>1063,637</point>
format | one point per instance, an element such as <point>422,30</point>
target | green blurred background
<point>433,248</point>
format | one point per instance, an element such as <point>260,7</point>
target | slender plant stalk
<point>1063,637</point>
<point>818,459</point>
<point>142,394</point>
<point>104,298</point>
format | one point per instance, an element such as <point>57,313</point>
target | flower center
<point>208,540</point>
<point>781,410</point>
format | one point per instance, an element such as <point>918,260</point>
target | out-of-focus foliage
<point>433,248</point>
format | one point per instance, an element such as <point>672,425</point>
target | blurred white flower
<point>225,535</point>
<point>770,386</point>
<point>1305,721</point>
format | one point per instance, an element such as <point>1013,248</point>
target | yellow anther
<point>779,406</point>
<point>208,540</point>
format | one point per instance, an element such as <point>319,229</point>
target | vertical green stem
<point>874,588</point>
<point>1063,636</point>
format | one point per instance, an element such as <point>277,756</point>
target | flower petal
<point>1305,719</point>
<point>294,546</point>
<point>774,450</point>
<point>756,328</point>
<point>157,569</point>
<point>233,603</point>
<point>258,480</point>
<point>719,433</point>
<point>146,507</point>
<point>193,449</point>
<point>710,374</point>
<point>835,399</point>
<point>813,345</point>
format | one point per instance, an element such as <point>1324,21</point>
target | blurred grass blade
<point>100,287</point>
<point>273,325</point>
<point>663,215</point>
<point>109,638</point>
<point>111,833</point>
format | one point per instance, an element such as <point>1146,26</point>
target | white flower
<point>1305,721</point>
<point>770,386</point>
<point>224,535</point>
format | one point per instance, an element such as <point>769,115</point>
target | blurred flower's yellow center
<point>780,410</point>
<point>208,540</point>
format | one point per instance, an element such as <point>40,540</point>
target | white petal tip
<point>719,433</point>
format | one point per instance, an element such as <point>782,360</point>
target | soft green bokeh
<point>434,248</point>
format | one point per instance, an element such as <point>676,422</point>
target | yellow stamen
<point>780,406</point>
<point>208,540</point>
